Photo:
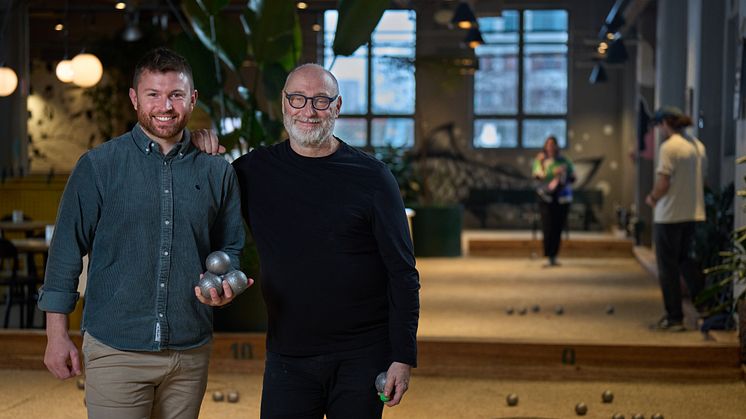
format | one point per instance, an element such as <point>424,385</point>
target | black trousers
<point>553,220</point>
<point>339,385</point>
<point>672,243</point>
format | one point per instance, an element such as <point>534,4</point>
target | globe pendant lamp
<point>87,70</point>
<point>8,81</point>
<point>64,71</point>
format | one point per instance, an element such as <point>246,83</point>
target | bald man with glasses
<point>338,269</point>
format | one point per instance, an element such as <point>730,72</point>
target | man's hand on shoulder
<point>397,382</point>
<point>207,141</point>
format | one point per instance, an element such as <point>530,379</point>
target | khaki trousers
<point>141,385</point>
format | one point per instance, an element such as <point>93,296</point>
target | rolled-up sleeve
<point>77,218</point>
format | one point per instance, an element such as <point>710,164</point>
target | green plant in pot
<point>727,279</point>
<point>240,60</point>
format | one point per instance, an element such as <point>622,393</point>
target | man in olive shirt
<point>147,207</point>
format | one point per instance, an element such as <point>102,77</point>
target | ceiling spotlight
<point>474,38</point>
<point>617,52</point>
<point>316,27</point>
<point>464,17</point>
<point>59,26</point>
<point>120,5</point>
<point>302,5</point>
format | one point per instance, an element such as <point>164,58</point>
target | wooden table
<point>27,227</point>
<point>29,248</point>
<point>40,246</point>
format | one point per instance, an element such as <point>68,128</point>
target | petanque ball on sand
<point>535,308</point>
<point>217,396</point>
<point>617,416</point>
<point>512,399</point>
<point>523,311</point>
<point>657,416</point>
<point>509,310</point>
<point>80,383</point>
<point>610,309</point>
<point>218,263</point>
<point>559,310</point>
<point>581,409</point>
<point>638,416</point>
<point>210,280</point>
<point>232,397</point>
<point>237,281</point>
<point>607,396</point>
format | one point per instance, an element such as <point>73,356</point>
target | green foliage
<point>401,165</point>
<point>728,266</point>
<point>357,20</point>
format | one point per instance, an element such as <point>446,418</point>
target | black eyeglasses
<point>320,103</point>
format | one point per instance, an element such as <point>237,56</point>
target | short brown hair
<point>162,60</point>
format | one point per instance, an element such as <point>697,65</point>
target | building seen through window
<point>520,89</point>
<point>377,82</point>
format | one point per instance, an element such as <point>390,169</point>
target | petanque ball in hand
<point>218,263</point>
<point>210,280</point>
<point>237,280</point>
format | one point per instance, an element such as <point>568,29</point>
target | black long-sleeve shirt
<point>337,266</point>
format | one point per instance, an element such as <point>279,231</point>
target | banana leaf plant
<point>240,59</point>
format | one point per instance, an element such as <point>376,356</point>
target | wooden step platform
<point>484,358</point>
<point>524,245</point>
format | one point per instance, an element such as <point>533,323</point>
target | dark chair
<point>20,290</point>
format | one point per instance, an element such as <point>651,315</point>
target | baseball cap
<point>666,111</point>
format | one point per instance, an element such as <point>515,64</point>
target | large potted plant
<point>427,187</point>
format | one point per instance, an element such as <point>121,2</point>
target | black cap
<point>666,112</point>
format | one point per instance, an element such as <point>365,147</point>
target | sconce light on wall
<point>464,17</point>
<point>474,38</point>
<point>8,81</point>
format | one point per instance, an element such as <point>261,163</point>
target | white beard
<point>312,137</point>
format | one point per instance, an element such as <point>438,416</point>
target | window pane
<point>351,130</point>
<point>545,79</point>
<point>495,133</point>
<point>535,131</point>
<point>541,21</point>
<point>393,64</point>
<point>496,81</point>
<point>396,132</point>
<point>353,86</point>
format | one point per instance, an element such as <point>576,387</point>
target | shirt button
<point>168,222</point>
<point>161,314</point>
<point>165,253</point>
<point>162,285</point>
<point>165,163</point>
<point>166,191</point>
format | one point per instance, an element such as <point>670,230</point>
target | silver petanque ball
<point>218,263</point>
<point>218,396</point>
<point>607,396</point>
<point>512,399</point>
<point>210,280</point>
<point>381,382</point>
<point>233,397</point>
<point>237,280</point>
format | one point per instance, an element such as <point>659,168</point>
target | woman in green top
<point>555,174</point>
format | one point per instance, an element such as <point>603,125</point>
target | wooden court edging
<point>485,358</point>
<point>498,247</point>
